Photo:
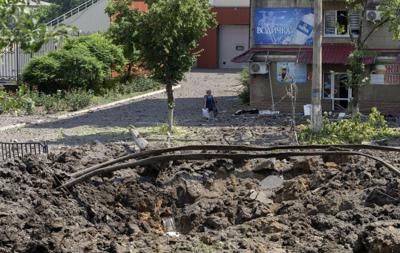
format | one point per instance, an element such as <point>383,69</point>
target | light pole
<point>316,92</point>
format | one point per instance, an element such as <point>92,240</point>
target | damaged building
<point>281,38</point>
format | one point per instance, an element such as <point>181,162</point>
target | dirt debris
<point>217,206</point>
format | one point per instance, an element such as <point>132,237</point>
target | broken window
<point>339,23</point>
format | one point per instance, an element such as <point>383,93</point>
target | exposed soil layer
<point>297,205</point>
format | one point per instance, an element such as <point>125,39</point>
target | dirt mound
<point>299,205</point>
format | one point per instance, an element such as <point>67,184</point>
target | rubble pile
<point>295,205</point>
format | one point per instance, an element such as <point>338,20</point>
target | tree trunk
<point>356,100</point>
<point>128,72</point>
<point>171,105</point>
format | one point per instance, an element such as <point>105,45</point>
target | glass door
<point>335,89</point>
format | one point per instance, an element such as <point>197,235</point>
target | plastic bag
<point>206,113</point>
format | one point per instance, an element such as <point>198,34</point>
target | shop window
<point>341,23</point>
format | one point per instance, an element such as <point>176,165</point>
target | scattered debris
<point>251,111</point>
<point>214,205</point>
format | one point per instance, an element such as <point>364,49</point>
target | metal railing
<point>13,60</point>
<point>11,150</point>
<point>72,12</point>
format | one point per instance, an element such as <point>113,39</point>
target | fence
<point>15,150</point>
<point>13,60</point>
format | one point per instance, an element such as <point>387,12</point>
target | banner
<point>284,26</point>
<point>288,72</point>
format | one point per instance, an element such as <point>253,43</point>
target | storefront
<point>281,56</point>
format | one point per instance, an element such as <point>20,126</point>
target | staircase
<point>88,17</point>
<point>70,13</point>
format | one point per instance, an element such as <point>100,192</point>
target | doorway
<point>335,89</point>
<point>233,41</point>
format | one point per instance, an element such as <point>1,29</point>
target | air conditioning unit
<point>258,68</point>
<point>374,16</point>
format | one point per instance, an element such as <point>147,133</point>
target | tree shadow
<point>151,112</point>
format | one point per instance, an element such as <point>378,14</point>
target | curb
<point>88,110</point>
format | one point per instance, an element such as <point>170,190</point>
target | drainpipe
<point>251,34</point>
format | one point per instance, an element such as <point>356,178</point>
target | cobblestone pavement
<point>111,123</point>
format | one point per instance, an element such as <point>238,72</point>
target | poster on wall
<point>385,74</point>
<point>288,72</point>
<point>284,26</point>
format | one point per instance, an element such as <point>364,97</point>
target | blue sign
<point>284,26</point>
<point>288,72</point>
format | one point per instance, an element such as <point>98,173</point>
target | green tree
<point>168,37</point>
<point>47,12</point>
<point>124,30</point>
<point>357,74</point>
<point>20,25</point>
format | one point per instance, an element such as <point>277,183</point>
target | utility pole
<point>316,92</point>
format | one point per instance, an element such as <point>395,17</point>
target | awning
<point>331,54</point>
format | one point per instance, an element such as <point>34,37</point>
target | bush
<point>110,55</point>
<point>54,103</point>
<point>83,63</point>
<point>21,102</point>
<point>353,130</point>
<point>78,68</point>
<point>42,71</point>
<point>64,100</point>
<point>244,94</point>
<point>78,99</point>
<point>64,70</point>
<point>137,84</point>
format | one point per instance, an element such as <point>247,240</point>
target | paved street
<point>110,123</point>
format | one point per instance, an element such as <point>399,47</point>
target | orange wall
<point>140,5</point>
<point>233,15</point>
<point>209,44</point>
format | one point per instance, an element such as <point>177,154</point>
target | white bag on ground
<point>206,113</point>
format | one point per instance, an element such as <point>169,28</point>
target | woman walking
<point>210,104</point>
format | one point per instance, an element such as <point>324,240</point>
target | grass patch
<point>354,130</point>
<point>177,132</point>
<point>25,101</point>
<point>244,93</point>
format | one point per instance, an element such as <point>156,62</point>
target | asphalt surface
<point>109,124</point>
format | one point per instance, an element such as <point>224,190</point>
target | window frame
<point>336,35</point>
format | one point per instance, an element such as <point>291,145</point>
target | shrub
<point>42,71</point>
<point>353,130</point>
<point>64,70</point>
<point>78,68</point>
<point>20,102</point>
<point>110,55</point>
<point>78,99</point>
<point>136,84</point>
<point>52,103</point>
<point>244,94</point>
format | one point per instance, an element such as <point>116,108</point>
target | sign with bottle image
<point>288,72</point>
<point>284,26</point>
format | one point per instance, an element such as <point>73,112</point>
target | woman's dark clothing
<point>211,105</point>
<point>210,102</point>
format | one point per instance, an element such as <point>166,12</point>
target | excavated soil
<point>295,205</point>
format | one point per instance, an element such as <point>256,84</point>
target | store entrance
<point>335,89</point>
